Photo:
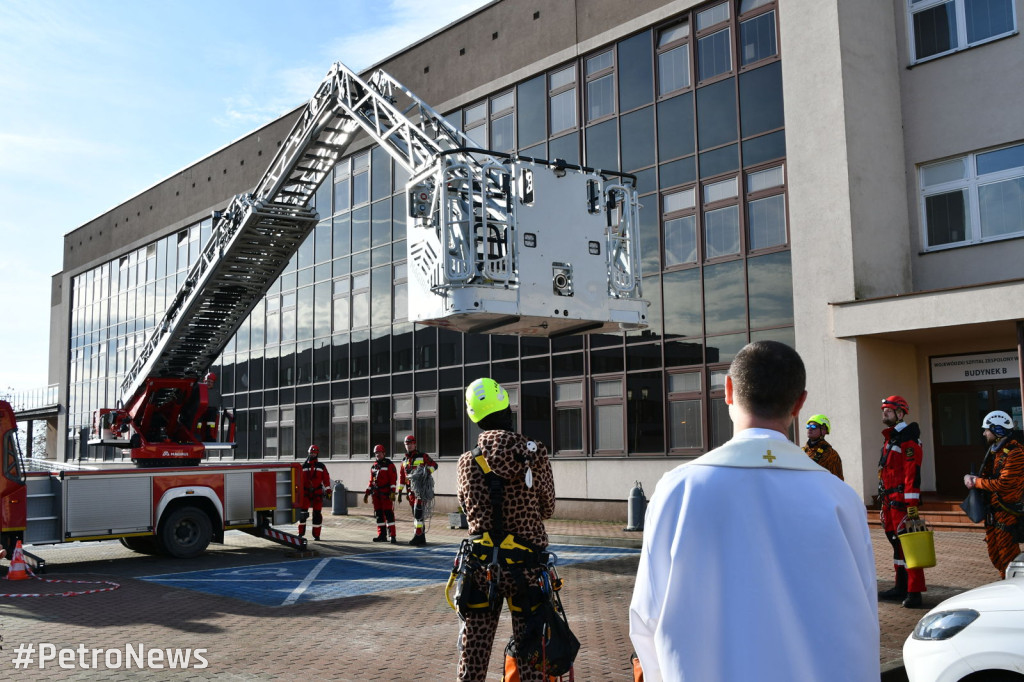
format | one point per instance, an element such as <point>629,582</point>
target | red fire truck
<point>172,510</point>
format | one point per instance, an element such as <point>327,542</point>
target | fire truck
<point>496,243</point>
<point>168,510</point>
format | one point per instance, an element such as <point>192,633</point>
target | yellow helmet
<point>483,397</point>
<point>820,420</point>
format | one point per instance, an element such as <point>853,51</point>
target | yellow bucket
<point>918,549</point>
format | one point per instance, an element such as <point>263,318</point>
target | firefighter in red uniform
<point>899,492</point>
<point>315,487</point>
<point>414,459</point>
<point>383,478</point>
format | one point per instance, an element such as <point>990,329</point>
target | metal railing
<point>34,398</point>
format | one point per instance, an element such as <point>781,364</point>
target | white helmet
<point>998,422</point>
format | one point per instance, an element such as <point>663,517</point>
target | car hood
<point>1005,595</point>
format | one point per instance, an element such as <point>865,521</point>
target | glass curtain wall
<point>692,106</point>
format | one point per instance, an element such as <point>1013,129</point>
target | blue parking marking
<point>296,582</point>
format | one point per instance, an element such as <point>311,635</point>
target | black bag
<point>548,645</point>
<point>975,505</point>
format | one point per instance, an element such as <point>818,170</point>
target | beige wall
<point>960,103</point>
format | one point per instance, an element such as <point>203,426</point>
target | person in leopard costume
<point>528,498</point>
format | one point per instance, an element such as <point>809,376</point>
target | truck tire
<point>145,544</point>
<point>8,541</point>
<point>186,532</point>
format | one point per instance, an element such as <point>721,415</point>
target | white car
<point>977,636</point>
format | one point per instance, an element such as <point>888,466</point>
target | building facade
<point>844,177</point>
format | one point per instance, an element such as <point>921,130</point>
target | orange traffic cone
<point>17,570</point>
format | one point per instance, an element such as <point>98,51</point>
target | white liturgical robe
<point>756,566</point>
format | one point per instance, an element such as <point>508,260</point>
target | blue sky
<point>100,100</point>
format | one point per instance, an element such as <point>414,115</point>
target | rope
<point>421,482</point>
<point>69,593</point>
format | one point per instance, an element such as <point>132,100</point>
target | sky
<point>101,100</point>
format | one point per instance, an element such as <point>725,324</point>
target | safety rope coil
<point>421,482</point>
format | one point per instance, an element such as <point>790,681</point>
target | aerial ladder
<point>497,243</point>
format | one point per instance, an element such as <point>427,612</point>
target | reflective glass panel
<point>770,282</point>
<point>716,114</point>
<point>761,99</point>
<point>724,298</point>
<point>675,127</point>
<point>636,72</point>
<point>682,303</point>
<point>637,139</point>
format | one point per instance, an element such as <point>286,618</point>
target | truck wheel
<point>8,541</point>
<point>186,532</point>
<point>146,544</point>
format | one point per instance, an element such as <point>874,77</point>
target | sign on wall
<point>978,367</point>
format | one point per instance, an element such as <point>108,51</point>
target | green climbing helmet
<point>820,420</point>
<point>483,397</point>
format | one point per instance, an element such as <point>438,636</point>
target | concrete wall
<point>953,105</point>
<point>843,149</point>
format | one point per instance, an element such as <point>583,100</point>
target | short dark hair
<point>768,378</point>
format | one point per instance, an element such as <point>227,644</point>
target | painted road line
<point>307,581</point>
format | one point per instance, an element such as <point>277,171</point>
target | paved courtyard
<point>355,611</point>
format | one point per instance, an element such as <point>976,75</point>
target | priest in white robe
<point>756,562</point>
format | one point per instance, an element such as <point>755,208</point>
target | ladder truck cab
<point>169,510</point>
<point>496,243</point>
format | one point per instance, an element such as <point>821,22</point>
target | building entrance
<point>958,411</point>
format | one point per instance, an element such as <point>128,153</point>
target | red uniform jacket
<point>316,483</point>
<point>383,479</point>
<point>899,469</point>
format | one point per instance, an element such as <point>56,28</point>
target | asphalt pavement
<point>351,610</point>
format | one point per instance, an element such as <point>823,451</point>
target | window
<point>766,215</point>
<point>680,230</point>
<point>600,86</point>
<point>339,429</point>
<point>360,428</point>
<point>757,38</point>
<point>714,51</point>
<point>974,198</point>
<point>475,123</point>
<point>562,91</point>
<point>938,27</point>
<point>721,224</point>
<point>609,434</point>
<point>569,416</point>
<point>360,179</point>
<point>426,422</point>
<point>674,58</point>
<point>684,409</point>
<point>503,122</point>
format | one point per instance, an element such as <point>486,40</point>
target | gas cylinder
<point>340,503</point>
<point>637,507</point>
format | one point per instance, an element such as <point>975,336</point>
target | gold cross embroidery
<point>770,457</point>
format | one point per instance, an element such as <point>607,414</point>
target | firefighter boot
<point>913,600</point>
<point>394,540</point>
<point>302,530</point>
<point>418,539</point>
<point>899,591</point>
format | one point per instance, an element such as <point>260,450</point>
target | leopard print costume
<point>523,511</point>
